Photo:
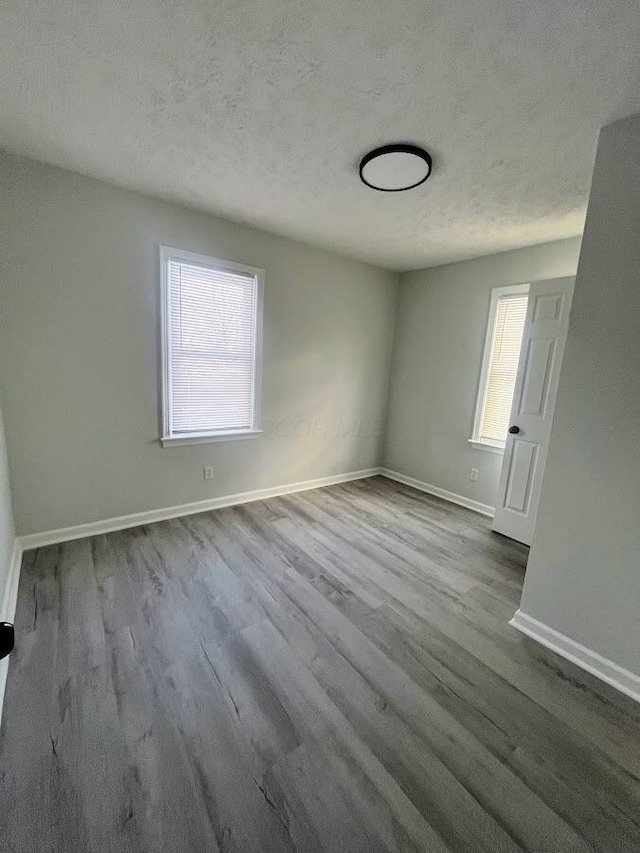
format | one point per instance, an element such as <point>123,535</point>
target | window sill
<point>489,448</point>
<point>211,438</point>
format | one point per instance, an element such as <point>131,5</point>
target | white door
<point>525,454</point>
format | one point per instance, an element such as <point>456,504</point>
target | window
<point>507,314</point>
<point>211,330</point>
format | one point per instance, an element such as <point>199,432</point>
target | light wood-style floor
<point>328,671</point>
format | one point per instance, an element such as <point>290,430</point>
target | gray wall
<point>79,353</point>
<point>7,532</point>
<point>440,333</point>
<point>583,577</point>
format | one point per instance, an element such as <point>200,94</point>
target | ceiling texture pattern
<point>260,110</point>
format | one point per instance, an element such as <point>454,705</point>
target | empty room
<point>319,426</point>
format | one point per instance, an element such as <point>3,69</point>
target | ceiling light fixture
<point>394,168</point>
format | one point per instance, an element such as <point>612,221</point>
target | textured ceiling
<point>259,110</point>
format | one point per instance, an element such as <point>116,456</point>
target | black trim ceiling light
<point>394,168</point>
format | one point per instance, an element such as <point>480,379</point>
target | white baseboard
<point>8,607</point>
<point>122,522</point>
<point>452,497</point>
<point>622,679</point>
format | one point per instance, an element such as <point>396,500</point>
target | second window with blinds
<point>507,314</point>
<point>211,343</point>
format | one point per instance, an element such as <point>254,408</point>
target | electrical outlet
<point>208,472</point>
<point>473,475</point>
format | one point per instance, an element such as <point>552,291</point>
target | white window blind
<point>211,338</point>
<point>506,328</point>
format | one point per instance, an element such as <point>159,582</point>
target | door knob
<point>514,430</point>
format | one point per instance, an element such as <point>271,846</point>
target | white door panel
<point>538,368</point>
<point>521,470</point>
<point>545,333</point>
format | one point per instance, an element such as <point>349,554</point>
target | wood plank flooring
<point>329,671</point>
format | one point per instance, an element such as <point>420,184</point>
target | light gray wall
<point>7,531</point>
<point>583,577</point>
<point>79,353</point>
<point>440,334</point>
